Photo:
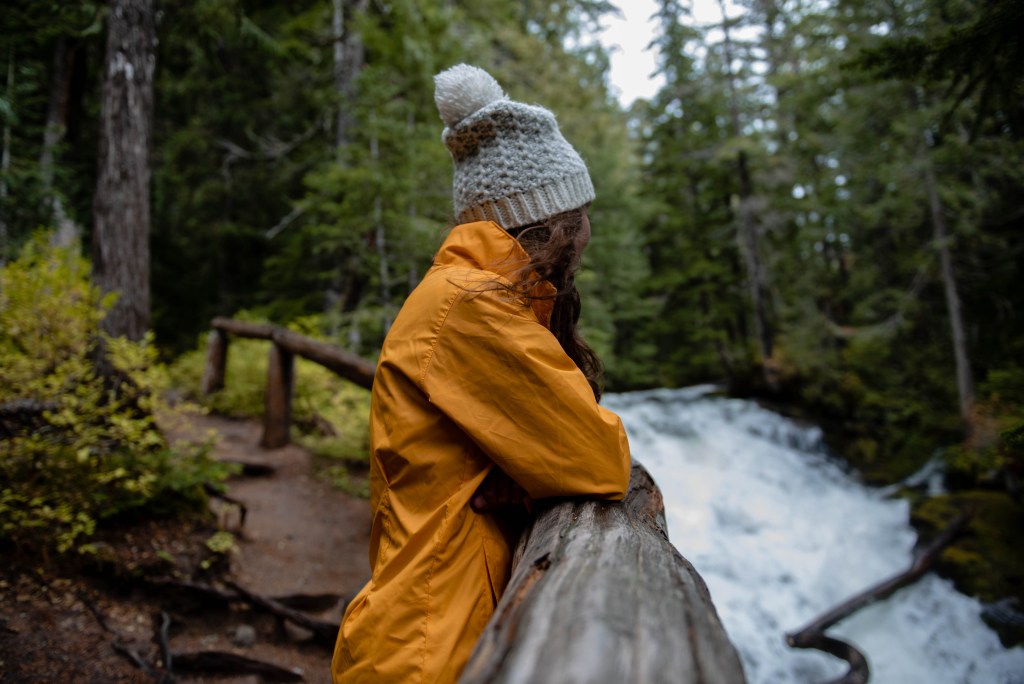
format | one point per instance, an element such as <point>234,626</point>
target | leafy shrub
<point>88,448</point>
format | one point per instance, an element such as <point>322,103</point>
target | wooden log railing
<point>598,594</point>
<point>280,369</point>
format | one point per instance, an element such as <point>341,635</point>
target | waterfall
<point>781,532</point>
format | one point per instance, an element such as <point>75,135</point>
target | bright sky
<point>627,37</point>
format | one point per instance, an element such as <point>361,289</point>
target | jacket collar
<point>484,245</point>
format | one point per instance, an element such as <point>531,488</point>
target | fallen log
<point>598,594</point>
<point>813,635</point>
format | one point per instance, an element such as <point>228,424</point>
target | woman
<point>484,393</point>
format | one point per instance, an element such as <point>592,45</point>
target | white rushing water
<point>780,533</point>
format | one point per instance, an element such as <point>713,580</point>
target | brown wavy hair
<point>552,247</point>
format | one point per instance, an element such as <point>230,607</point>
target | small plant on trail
<point>78,447</point>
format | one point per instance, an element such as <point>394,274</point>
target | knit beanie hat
<point>512,165</point>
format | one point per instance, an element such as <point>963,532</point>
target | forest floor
<point>87,621</point>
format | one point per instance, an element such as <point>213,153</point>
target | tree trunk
<point>599,595</point>
<point>349,54</point>
<point>380,238</point>
<point>337,34</point>
<point>964,374</point>
<point>121,204</point>
<point>747,230</point>
<point>56,125</point>
<point>5,159</point>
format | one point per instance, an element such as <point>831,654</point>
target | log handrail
<point>346,364</point>
<point>598,594</point>
<point>286,344</point>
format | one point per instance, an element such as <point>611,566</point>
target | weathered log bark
<point>343,363</point>
<point>121,204</point>
<point>813,635</point>
<point>598,594</point>
<point>277,417</point>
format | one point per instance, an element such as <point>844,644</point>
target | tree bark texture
<point>598,594</point>
<point>121,204</point>
<point>341,362</point>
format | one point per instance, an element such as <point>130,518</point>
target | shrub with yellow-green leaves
<point>76,446</point>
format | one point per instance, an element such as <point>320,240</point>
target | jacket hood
<point>485,246</point>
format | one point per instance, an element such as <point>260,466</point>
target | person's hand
<point>497,491</point>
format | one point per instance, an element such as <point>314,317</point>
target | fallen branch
<point>813,635</point>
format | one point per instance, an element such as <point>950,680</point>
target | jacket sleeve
<point>503,378</point>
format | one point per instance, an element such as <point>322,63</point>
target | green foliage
<point>298,188</point>
<point>859,123</point>
<point>96,452</point>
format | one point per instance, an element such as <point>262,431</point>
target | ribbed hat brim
<point>535,204</point>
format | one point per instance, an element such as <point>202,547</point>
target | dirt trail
<point>301,536</point>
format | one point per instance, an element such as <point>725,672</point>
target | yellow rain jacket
<point>469,379</point>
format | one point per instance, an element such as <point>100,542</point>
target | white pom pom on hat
<point>512,165</point>
<point>464,90</point>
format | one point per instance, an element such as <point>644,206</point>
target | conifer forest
<point>822,208</point>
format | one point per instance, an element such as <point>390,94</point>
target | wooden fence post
<point>216,362</point>
<point>278,416</point>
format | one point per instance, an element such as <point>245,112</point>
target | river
<point>781,533</point>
